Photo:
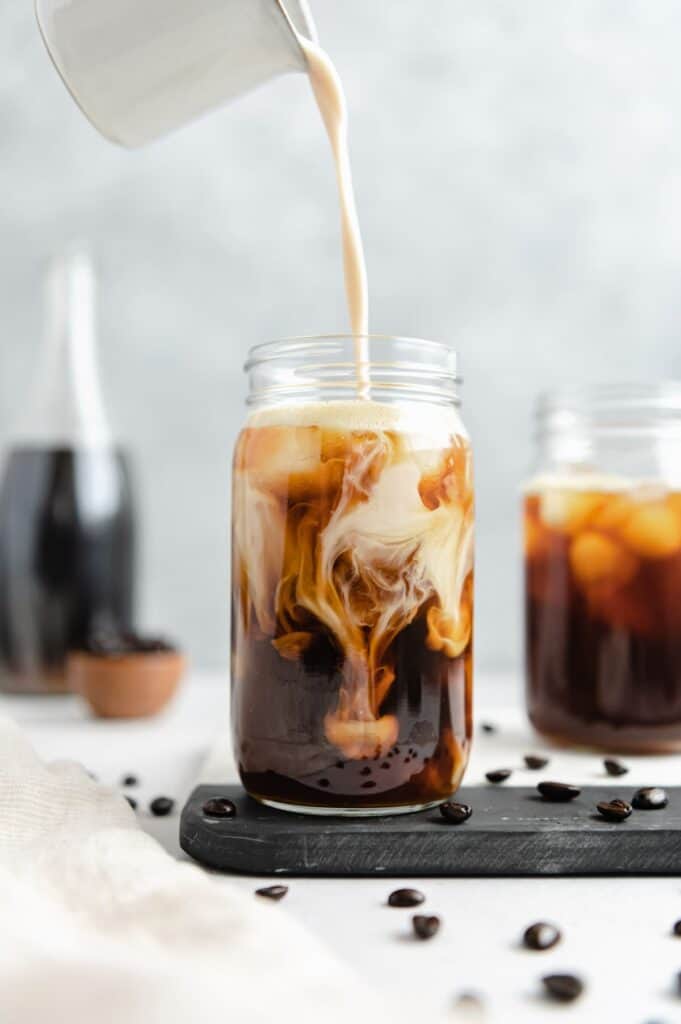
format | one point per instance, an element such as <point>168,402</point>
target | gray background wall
<point>518,170</point>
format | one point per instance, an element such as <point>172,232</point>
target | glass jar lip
<point>298,345</point>
<point>603,400</point>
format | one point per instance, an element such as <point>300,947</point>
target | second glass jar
<point>352,563</point>
<point>603,569</point>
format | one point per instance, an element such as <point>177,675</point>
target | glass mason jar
<point>352,570</point>
<point>603,569</point>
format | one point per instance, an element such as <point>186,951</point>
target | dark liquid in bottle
<point>66,559</point>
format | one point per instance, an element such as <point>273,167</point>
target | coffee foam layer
<point>360,415</point>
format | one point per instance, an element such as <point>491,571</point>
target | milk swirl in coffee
<point>352,604</point>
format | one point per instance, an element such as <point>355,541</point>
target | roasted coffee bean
<point>405,898</point>
<point>131,800</point>
<point>651,798</point>
<point>500,775</point>
<point>219,807</point>
<point>677,928</point>
<point>614,767</point>
<point>161,805</point>
<point>425,925</point>
<point>541,936</point>
<point>112,644</point>
<point>272,892</point>
<point>558,792</point>
<point>534,763</point>
<point>488,727</point>
<point>455,813</point>
<point>130,780</point>
<point>614,810</point>
<point>469,1005</point>
<point>563,987</point>
<point>323,783</point>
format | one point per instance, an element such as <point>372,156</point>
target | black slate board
<point>512,832</point>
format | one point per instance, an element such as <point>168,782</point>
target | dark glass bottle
<point>67,531</point>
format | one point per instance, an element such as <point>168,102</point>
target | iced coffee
<point>603,593</point>
<point>352,605</point>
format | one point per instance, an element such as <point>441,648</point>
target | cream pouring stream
<point>328,91</point>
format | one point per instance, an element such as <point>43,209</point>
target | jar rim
<point>324,367</point>
<point>611,398</point>
<point>298,344</point>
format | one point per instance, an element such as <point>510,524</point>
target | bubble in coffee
<point>352,605</point>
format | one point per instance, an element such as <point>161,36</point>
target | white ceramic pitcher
<point>140,68</point>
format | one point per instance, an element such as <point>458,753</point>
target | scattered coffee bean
<point>614,810</point>
<point>541,936</point>
<point>219,807</point>
<point>368,785</point>
<point>500,775</point>
<point>425,925</point>
<point>614,767</point>
<point>676,930</point>
<point>130,780</point>
<point>323,783</point>
<point>651,798</point>
<point>469,1006</point>
<point>405,898</point>
<point>488,727</point>
<point>563,987</point>
<point>131,800</point>
<point>385,766</point>
<point>534,763</point>
<point>272,892</point>
<point>455,813</point>
<point>340,764</point>
<point>558,792</point>
<point>365,771</point>
<point>161,805</point>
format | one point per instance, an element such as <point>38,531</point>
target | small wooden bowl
<point>125,686</point>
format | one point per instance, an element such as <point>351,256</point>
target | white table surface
<point>617,932</point>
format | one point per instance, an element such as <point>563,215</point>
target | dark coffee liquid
<point>283,727</point>
<point>66,559</point>
<point>603,623</point>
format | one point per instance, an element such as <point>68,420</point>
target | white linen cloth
<point>100,926</point>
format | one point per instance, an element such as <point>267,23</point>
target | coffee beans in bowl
<point>125,675</point>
